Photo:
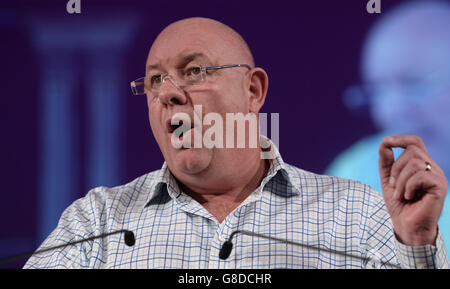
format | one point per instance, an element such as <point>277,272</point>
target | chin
<point>191,161</point>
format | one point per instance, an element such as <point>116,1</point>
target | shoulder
<point>334,189</point>
<point>134,193</point>
<point>325,182</point>
<point>101,206</point>
<point>102,210</point>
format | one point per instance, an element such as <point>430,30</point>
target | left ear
<point>258,86</point>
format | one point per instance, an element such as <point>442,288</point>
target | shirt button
<point>221,238</point>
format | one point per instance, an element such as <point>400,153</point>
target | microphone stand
<point>129,240</point>
<point>227,247</point>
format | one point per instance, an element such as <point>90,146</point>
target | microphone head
<point>225,251</point>
<point>129,238</point>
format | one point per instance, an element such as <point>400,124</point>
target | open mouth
<point>178,127</point>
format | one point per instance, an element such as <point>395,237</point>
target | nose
<point>170,93</point>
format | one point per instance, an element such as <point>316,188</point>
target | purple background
<point>310,49</point>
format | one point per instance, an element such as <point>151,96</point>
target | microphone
<point>227,247</point>
<point>128,237</point>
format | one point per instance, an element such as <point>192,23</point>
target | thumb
<point>385,162</point>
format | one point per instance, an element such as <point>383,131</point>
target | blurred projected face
<point>179,47</point>
<point>407,71</point>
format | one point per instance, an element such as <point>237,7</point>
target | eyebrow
<point>184,60</point>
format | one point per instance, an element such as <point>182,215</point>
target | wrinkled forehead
<point>176,46</point>
<point>179,54</point>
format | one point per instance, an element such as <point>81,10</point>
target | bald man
<point>182,214</point>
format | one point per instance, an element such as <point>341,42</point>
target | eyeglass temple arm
<point>228,66</point>
<point>135,83</point>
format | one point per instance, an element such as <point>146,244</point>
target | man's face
<point>222,91</point>
<point>408,68</point>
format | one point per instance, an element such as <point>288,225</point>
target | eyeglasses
<point>188,76</point>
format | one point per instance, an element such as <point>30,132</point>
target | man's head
<point>201,42</point>
<point>406,62</point>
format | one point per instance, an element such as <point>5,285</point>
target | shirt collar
<point>164,181</point>
<point>279,172</point>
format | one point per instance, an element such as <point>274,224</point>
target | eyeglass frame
<point>141,81</point>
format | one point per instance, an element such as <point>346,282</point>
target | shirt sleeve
<point>383,246</point>
<point>423,257</point>
<point>76,223</point>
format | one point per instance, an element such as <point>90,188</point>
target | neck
<point>230,190</point>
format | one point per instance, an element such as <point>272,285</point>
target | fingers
<point>418,184</point>
<point>385,163</point>
<point>424,182</point>
<point>409,169</point>
<point>390,169</point>
<point>412,152</point>
<point>403,141</point>
<point>411,179</point>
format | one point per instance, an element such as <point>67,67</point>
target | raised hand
<point>414,189</point>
